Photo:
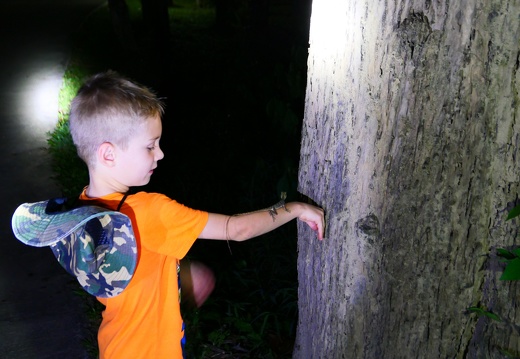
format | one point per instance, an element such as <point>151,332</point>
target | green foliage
<point>509,353</point>
<point>186,13</point>
<point>515,212</point>
<point>512,258</point>
<point>483,312</point>
<point>70,172</point>
<point>252,312</point>
<point>511,272</point>
<point>72,80</point>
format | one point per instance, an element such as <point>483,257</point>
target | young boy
<point>116,127</point>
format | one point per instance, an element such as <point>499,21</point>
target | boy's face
<point>135,164</point>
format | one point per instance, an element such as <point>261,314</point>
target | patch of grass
<point>70,172</point>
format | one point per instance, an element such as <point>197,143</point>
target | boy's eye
<point>151,148</point>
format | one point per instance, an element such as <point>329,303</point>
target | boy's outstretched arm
<point>245,226</point>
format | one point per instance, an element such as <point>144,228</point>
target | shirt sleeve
<point>171,228</point>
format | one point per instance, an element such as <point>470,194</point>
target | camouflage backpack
<point>95,244</point>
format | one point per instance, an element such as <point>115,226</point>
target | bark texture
<point>410,143</point>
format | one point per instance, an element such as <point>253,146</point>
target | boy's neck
<point>97,189</point>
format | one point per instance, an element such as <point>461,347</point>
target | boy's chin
<point>144,182</point>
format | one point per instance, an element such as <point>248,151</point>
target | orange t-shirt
<point>144,321</point>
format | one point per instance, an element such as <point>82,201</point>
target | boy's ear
<point>106,154</point>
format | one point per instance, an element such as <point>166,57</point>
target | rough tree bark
<point>410,143</point>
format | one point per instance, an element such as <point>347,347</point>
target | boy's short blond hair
<point>109,108</point>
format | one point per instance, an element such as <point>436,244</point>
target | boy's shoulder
<point>141,203</point>
<point>149,201</point>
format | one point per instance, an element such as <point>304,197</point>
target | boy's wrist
<point>295,208</point>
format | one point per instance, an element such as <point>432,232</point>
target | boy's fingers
<point>320,224</point>
<point>317,227</point>
<point>320,231</point>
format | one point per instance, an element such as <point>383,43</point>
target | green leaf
<point>504,253</point>
<point>515,212</point>
<point>243,326</point>
<point>486,313</point>
<point>493,316</point>
<point>477,310</point>
<point>512,270</point>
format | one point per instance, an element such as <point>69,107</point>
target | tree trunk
<point>121,23</point>
<point>410,143</point>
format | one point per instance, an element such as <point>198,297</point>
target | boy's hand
<point>314,217</point>
<point>197,282</point>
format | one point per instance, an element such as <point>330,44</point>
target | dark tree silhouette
<point>156,20</point>
<point>121,23</point>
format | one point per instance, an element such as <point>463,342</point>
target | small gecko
<point>280,204</point>
<point>272,209</point>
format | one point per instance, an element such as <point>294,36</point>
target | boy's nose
<point>159,154</point>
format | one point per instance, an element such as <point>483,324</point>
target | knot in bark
<point>414,32</point>
<point>369,225</point>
